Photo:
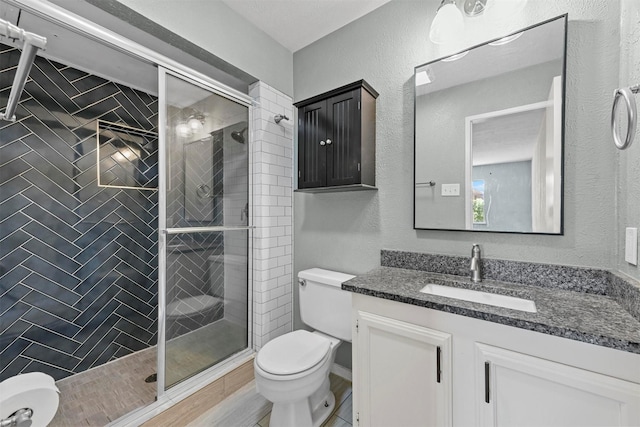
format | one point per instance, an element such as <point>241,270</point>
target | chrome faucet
<point>475,263</point>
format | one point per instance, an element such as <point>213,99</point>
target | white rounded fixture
<point>448,24</point>
<point>183,129</point>
<point>195,123</point>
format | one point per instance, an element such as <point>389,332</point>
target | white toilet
<point>292,371</point>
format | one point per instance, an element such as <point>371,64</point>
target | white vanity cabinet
<point>403,373</point>
<point>521,390</point>
<point>491,374</point>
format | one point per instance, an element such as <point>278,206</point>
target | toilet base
<point>308,412</point>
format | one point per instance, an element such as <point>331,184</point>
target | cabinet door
<point>312,149</point>
<point>515,389</point>
<point>402,374</point>
<point>343,139</point>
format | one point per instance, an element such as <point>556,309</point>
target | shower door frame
<point>164,232</point>
<point>86,28</point>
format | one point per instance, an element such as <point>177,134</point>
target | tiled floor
<point>103,394</point>
<point>246,408</point>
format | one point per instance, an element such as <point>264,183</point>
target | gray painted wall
<point>345,231</point>
<point>441,123</point>
<point>507,195</point>
<point>217,28</point>
<point>628,194</point>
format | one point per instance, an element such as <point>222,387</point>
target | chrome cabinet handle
<point>322,143</point>
<point>328,142</point>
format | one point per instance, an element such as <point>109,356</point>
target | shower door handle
<point>328,142</point>
<point>322,143</point>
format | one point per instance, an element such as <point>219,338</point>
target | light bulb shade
<point>183,129</point>
<point>447,25</point>
<point>195,124</point>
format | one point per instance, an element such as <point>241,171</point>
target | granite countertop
<point>586,317</point>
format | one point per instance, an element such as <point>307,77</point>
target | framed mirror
<point>489,130</point>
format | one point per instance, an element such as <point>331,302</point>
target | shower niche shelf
<point>337,140</point>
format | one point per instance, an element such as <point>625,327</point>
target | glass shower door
<point>204,228</point>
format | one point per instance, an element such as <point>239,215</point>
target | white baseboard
<point>341,371</point>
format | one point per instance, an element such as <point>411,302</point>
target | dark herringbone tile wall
<point>78,262</point>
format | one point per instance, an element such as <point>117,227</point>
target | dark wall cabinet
<point>337,139</point>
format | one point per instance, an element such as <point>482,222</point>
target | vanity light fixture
<point>448,23</point>
<point>474,7</point>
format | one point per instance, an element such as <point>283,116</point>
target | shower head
<point>237,135</point>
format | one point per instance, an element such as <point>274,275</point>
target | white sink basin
<point>481,297</point>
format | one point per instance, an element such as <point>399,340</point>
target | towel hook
<point>627,94</point>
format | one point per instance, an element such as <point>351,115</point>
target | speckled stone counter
<point>582,316</point>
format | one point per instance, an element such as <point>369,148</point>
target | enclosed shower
<point>125,242</point>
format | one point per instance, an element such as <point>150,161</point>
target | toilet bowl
<point>292,370</point>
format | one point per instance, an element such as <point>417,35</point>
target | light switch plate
<point>450,190</point>
<point>631,245</point>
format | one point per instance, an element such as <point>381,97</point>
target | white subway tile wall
<point>272,184</point>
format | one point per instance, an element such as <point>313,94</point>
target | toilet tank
<point>324,306</point>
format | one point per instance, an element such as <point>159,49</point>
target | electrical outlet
<point>631,245</point>
<point>450,190</point>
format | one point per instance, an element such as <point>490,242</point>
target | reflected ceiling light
<point>196,122</point>
<point>183,129</point>
<point>190,124</point>
<point>507,39</point>
<point>456,56</point>
<point>424,77</point>
<point>448,23</point>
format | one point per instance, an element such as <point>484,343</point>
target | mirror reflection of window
<point>478,202</point>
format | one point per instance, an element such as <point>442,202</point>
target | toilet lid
<point>294,352</point>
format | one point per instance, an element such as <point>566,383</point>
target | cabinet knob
<point>322,143</point>
<point>328,142</point>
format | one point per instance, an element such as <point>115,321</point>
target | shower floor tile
<point>100,395</point>
<point>103,394</point>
